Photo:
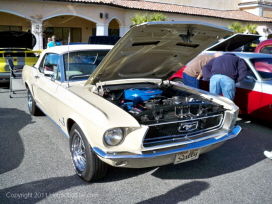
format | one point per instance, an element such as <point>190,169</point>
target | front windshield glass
<point>80,65</point>
<point>264,67</point>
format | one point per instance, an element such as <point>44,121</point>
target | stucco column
<point>123,30</point>
<point>37,30</point>
<point>260,11</point>
<point>102,29</point>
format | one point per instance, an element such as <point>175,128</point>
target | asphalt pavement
<point>35,167</point>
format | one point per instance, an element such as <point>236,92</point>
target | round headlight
<point>114,136</point>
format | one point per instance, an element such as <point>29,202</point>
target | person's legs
<point>215,84</point>
<point>228,87</point>
<point>190,81</point>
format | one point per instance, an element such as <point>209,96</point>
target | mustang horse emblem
<point>186,127</point>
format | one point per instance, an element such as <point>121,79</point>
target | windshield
<point>81,64</point>
<point>264,67</point>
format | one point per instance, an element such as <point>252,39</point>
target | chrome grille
<point>163,133</point>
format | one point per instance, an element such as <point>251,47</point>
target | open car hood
<point>17,39</point>
<point>233,42</point>
<point>156,49</point>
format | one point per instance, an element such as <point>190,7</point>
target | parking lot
<point>35,167</point>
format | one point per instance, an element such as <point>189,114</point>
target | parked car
<point>126,114</point>
<point>103,40</point>
<point>264,47</point>
<point>17,46</point>
<point>253,94</point>
<point>238,42</point>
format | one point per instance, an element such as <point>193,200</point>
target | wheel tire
<point>32,107</point>
<point>87,164</point>
<point>179,80</point>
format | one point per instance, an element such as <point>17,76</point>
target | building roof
<point>264,3</point>
<point>238,15</point>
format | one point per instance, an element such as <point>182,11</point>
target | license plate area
<point>186,156</point>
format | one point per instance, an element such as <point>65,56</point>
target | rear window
<point>266,49</point>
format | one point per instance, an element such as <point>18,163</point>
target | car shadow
<point>117,174</point>
<point>35,191</point>
<point>179,194</point>
<point>12,121</point>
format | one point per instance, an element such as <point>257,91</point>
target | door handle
<point>36,77</point>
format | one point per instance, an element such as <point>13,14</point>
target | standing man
<point>223,72</point>
<point>193,71</point>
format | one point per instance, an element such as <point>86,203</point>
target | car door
<point>265,111</point>
<point>248,95</point>
<point>46,83</point>
<point>253,94</point>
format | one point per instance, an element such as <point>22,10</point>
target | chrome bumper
<point>162,157</point>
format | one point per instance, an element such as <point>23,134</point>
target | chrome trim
<point>192,134</point>
<point>179,121</point>
<point>193,145</point>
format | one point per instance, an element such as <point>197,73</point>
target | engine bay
<point>150,103</point>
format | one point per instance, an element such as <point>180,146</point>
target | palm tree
<point>251,28</point>
<point>158,17</point>
<point>237,27</point>
<point>142,18</point>
<point>139,19</point>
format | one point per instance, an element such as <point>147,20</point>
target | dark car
<point>103,40</point>
<point>17,46</point>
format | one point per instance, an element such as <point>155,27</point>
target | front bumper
<point>155,158</point>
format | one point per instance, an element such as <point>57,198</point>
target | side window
<point>266,49</point>
<point>50,66</point>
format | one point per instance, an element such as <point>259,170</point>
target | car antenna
<point>68,61</point>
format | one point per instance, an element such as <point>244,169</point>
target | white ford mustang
<point>117,107</point>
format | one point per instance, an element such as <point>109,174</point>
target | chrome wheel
<point>87,164</point>
<point>29,101</point>
<point>78,152</point>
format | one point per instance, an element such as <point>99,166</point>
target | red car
<point>264,47</point>
<point>254,93</point>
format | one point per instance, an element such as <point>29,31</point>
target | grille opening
<point>172,132</point>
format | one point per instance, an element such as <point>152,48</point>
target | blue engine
<point>134,96</point>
